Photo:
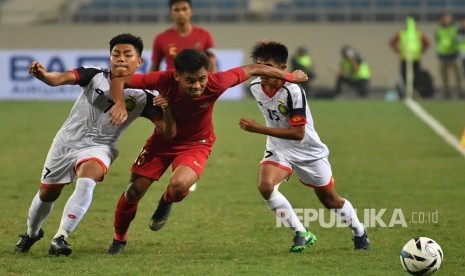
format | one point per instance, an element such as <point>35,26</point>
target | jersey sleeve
<point>297,106</point>
<point>227,79</point>
<point>85,75</point>
<point>209,45</point>
<point>151,81</point>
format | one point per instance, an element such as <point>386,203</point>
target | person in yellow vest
<point>409,44</point>
<point>354,72</point>
<point>461,43</point>
<point>447,51</point>
<point>302,60</point>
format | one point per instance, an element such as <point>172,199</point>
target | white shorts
<point>315,173</point>
<point>61,163</point>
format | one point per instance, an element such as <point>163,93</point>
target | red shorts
<point>156,156</point>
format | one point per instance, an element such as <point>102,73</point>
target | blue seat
<point>411,4</point>
<point>436,4</point>
<point>122,5</point>
<point>458,3</point>
<point>281,11</point>
<point>360,4</point>
<point>151,5</point>
<point>305,4</point>
<point>385,3</point>
<point>334,4</point>
<point>201,4</point>
<point>100,5</point>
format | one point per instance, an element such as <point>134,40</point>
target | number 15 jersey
<point>286,108</point>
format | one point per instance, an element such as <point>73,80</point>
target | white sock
<point>279,205</point>
<point>348,216</point>
<point>76,207</point>
<point>38,212</point>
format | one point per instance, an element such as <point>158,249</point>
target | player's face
<point>124,60</point>
<point>181,13</point>
<point>192,84</point>
<point>270,81</point>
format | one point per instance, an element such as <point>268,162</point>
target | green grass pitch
<point>383,157</point>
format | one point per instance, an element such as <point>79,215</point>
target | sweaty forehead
<point>123,47</point>
<point>197,74</point>
<point>194,75</point>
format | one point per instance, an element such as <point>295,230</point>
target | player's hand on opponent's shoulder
<point>249,124</point>
<point>118,114</point>
<point>298,76</point>
<point>160,101</point>
<point>37,69</point>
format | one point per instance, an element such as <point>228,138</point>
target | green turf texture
<point>382,157</point>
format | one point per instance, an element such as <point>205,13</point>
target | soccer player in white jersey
<point>85,146</point>
<point>293,145</point>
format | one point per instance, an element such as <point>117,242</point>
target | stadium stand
<point>278,10</point>
<point>245,10</point>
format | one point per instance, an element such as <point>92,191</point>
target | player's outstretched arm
<point>268,71</point>
<point>167,125</point>
<point>38,70</point>
<point>291,133</point>
<point>118,113</point>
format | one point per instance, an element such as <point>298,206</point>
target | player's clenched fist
<point>37,69</point>
<point>297,76</point>
<point>160,101</point>
<point>118,114</point>
<point>248,124</point>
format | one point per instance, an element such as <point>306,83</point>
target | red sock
<point>168,197</point>
<point>124,214</point>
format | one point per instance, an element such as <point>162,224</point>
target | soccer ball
<point>421,256</point>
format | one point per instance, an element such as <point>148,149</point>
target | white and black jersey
<point>87,132</point>
<point>89,120</point>
<point>288,107</point>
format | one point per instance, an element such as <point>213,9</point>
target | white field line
<point>434,125</point>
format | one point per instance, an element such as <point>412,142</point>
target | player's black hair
<point>270,50</point>
<point>190,60</point>
<point>128,38</point>
<point>172,2</point>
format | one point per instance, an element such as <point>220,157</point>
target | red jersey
<point>193,116</point>
<point>169,43</point>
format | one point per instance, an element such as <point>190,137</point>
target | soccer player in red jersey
<point>183,35</point>
<point>191,92</point>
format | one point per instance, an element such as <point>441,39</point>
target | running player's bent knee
<point>173,195</point>
<point>265,189</point>
<point>134,194</point>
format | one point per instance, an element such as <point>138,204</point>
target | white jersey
<point>88,123</point>
<point>87,132</point>
<point>287,107</point>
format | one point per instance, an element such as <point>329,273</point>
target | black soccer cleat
<point>26,242</point>
<point>116,247</point>
<point>362,242</point>
<point>160,216</point>
<point>59,246</point>
<point>302,240</point>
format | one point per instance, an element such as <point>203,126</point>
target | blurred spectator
<point>302,60</point>
<point>409,44</point>
<point>354,72</point>
<point>183,35</point>
<point>461,43</point>
<point>447,50</point>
